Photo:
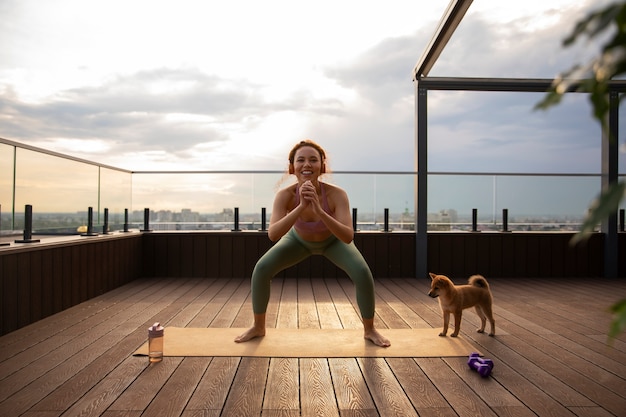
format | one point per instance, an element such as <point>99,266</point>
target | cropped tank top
<point>314,227</point>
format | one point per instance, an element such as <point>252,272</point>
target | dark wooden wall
<point>234,254</point>
<point>516,255</point>
<point>41,279</point>
<point>390,255</point>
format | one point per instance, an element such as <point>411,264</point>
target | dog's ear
<point>432,276</point>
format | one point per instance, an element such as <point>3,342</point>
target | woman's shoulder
<point>290,189</point>
<point>286,193</point>
<point>333,190</point>
<point>333,187</point>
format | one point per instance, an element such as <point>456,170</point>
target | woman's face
<point>307,164</point>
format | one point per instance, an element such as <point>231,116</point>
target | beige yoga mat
<point>310,343</point>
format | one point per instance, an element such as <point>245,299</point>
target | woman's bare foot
<point>251,333</point>
<point>370,333</point>
<point>376,338</point>
<point>257,329</point>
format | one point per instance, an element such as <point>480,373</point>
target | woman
<point>311,217</point>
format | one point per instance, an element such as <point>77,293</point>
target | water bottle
<point>155,342</point>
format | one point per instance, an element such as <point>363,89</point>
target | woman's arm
<point>282,219</point>
<point>340,224</point>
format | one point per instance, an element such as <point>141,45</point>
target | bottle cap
<point>156,330</point>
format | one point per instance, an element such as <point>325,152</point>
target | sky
<point>198,85</point>
<point>154,85</point>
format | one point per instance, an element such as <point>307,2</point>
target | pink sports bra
<point>319,225</point>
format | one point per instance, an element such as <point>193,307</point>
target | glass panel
<point>6,188</point>
<point>116,195</point>
<point>60,191</point>
<point>207,201</point>
<point>371,194</point>
<point>533,202</point>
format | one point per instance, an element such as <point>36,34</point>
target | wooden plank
<point>470,251</point>
<point>36,279</point>
<point>396,255</point>
<point>79,362</point>
<point>446,258</point>
<point>174,256</point>
<point>283,378</point>
<point>463,399</point>
<point>316,388</point>
<point>509,268</point>
<point>160,261</point>
<point>252,252</point>
<point>318,265</point>
<point>483,256</point>
<point>247,391</point>
<point>328,317</point>
<point>199,256</point>
<point>56,276</point>
<point>226,257</point>
<point>380,262</point>
<point>422,393</point>
<point>239,256</point>
<point>457,250</point>
<point>77,275</point>
<point>148,254</point>
<point>186,262</point>
<point>173,397</point>
<point>546,260</point>
<point>77,358</point>
<point>385,389</point>
<point>495,255</point>
<point>23,290</point>
<point>282,309</point>
<point>212,391</point>
<point>350,388</point>
<point>214,254</point>
<point>307,311</point>
<point>217,299</point>
<point>10,279</point>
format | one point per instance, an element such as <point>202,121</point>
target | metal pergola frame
<point>450,20</point>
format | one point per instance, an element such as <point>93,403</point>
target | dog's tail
<point>478,281</point>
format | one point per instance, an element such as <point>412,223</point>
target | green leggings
<point>291,249</point>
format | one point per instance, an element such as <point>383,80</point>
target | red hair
<point>302,144</point>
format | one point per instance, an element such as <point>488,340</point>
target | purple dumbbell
<point>482,366</point>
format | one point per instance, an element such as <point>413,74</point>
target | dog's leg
<point>446,322</point>
<point>483,319</point>
<point>492,322</point>
<point>457,322</point>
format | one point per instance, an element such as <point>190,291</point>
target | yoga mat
<point>309,343</point>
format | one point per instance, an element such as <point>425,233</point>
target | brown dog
<point>454,298</point>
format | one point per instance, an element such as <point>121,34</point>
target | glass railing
<point>515,202</point>
<point>62,189</point>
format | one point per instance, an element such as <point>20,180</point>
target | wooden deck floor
<point>551,355</point>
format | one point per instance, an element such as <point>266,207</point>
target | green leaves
<point>618,324</point>
<point>593,78</point>
<point>597,22</point>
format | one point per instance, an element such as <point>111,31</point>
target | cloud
<point>360,104</point>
